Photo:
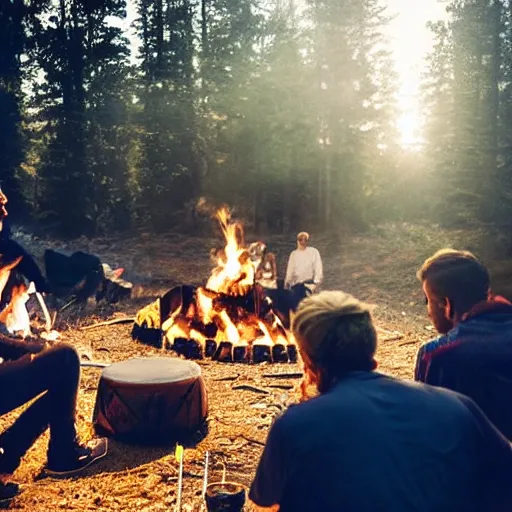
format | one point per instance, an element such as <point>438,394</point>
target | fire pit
<point>228,320</point>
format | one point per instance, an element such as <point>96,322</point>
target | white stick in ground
<point>179,457</point>
<point>47,318</point>
<point>205,479</point>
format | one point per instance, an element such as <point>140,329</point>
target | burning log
<point>193,349</point>
<point>180,346</point>
<point>241,354</point>
<point>210,348</point>
<point>261,354</point>
<point>279,353</point>
<point>292,353</point>
<point>15,316</point>
<point>147,325</point>
<point>229,319</point>
<point>224,352</point>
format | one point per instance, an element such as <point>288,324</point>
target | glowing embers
<point>242,329</point>
<point>229,319</point>
<point>227,352</point>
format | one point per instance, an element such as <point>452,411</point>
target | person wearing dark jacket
<point>473,354</point>
<point>11,250</point>
<point>369,442</point>
<point>28,370</point>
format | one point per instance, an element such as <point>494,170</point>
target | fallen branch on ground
<point>397,336</point>
<point>229,377</point>
<point>109,322</point>
<point>281,386</point>
<point>251,440</point>
<point>409,342</point>
<point>250,388</point>
<point>296,375</point>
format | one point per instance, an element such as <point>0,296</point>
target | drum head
<point>146,370</point>
<point>151,401</point>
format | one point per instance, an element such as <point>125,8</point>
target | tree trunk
<point>159,39</point>
<point>496,12</point>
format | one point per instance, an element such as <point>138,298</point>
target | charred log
<point>224,352</point>
<point>279,353</point>
<point>292,353</point>
<point>180,296</point>
<point>193,350</point>
<point>241,354</point>
<point>261,354</point>
<point>210,348</point>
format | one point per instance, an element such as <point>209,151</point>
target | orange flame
<point>234,274</point>
<point>206,316</point>
<point>15,315</point>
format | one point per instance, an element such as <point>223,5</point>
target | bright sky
<point>410,41</point>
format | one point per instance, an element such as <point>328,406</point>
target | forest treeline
<point>285,110</point>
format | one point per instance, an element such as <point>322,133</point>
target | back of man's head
<point>457,276</point>
<point>335,335</point>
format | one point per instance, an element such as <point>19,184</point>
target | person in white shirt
<point>304,265</point>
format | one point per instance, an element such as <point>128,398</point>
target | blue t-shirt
<point>377,444</point>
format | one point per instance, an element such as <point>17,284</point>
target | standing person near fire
<point>370,442</point>
<point>304,265</point>
<point>473,354</point>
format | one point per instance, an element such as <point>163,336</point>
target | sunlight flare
<point>409,128</point>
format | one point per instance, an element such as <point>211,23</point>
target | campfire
<point>229,319</point>
<point>15,316</point>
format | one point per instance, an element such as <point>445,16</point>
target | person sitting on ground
<point>29,370</point>
<point>473,355</point>
<point>304,265</point>
<point>369,441</point>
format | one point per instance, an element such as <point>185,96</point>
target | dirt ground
<point>378,266</point>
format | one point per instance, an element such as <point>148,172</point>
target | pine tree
<point>168,171</point>
<point>74,49</point>
<point>464,137</point>
<point>12,46</point>
<point>353,108</point>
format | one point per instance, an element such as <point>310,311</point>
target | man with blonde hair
<point>371,442</point>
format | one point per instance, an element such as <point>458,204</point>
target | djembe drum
<point>151,400</point>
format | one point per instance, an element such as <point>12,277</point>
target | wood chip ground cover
<point>378,266</point>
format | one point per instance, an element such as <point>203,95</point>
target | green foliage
<point>282,109</point>
<point>166,171</point>
<point>12,46</point>
<point>80,112</point>
<point>468,106</point>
